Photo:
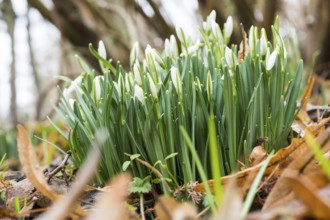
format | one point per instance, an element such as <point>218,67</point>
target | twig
<point>59,168</point>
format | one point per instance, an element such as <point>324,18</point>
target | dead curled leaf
<point>232,204</point>
<point>30,164</point>
<point>111,203</point>
<point>243,47</point>
<point>303,163</point>
<point>168,208</point>
<point>279,162</point>
<point>257,155</point>
<point>307,192</point>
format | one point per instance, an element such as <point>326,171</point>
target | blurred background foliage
<point>55,30</point>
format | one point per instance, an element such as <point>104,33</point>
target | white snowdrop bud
<point>252,38</point>
<point>179,33</point>
<point>209,20</point>
<point>228,27</point>
<point>151,53</point>
<point>71,102</point>
<point>152,86</point>
<point>137,74</point>
<point>134,53</point>
<point>171,47</point>
<point>101,50</point>
<point>74,84</point>
<point>192,49</point>
<point>263,42</point>
<point>138,93</point>
<point>175,76</point>
<point>97,87</point>
<point>270,61</point>
<point>229,57</point>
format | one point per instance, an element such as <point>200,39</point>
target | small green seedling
<point>141,186</point>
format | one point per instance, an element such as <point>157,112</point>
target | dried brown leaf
<point>30,164</point>
<point>6,213</point>
<point>168,208</point>
<point>257,155</point>
<point>308,91</point>
<point>243,47</point>
<point>111,203</point>
<point>303,163</point>
<point>231,205</point>
<point>277,164</point>
<point>307,192</point>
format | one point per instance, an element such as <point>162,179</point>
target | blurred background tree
<point>56,30</point>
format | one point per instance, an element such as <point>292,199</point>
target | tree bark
<point>9,17</point>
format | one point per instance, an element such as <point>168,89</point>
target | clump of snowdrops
<point>248,94</point>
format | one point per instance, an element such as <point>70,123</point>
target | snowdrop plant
<point>146,108</point>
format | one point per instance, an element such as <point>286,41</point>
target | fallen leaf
<point>231,206</point>
<point>243,47</point>
<point>307,93</point>
<point>168,208</point>
<point>303,163</point>
<point>307,192</point>
<point>111,203</point>
<point>257,155</point>
<point>29,164</point>
<point>69,205</point>
<point>278,163</point>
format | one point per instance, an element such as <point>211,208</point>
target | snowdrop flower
<point>209,20</point>
<point>137,74</point>
<point>101,50</point>
<point>175,76</point>
<point>270,61</point>
<point>229,57</point>
<point>71,102</point>
<point>209,87</point>
<point>97,87</point>
<point>217,32</point>
<point>120,85</point>
<point>263,42</point>
<point>194,48</point>
<point>228,27</point>
<point>151,53</point>
<point>152,87</point>
<point>171,47</point>
<point>128,81</point>
<point>252,38</point>
<point>179,33</point>
<point>138,93</point>
<point>65,93</point>
<point>134,53</point>
<point>74,84</point>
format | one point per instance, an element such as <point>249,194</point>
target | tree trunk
<point>9,17</point>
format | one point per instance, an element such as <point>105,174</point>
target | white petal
<point>136,71</point>
<point>263,42</point>
<point>71,102</point>
<point>138,93</point>
<point>229,57</point>
<point>175,76</point>
<point>152,87</point>
<point>134,53</point>
<point>228,27</point>
<point>270,62</point>
<point>101,50</point>
<point>74,84</point>
<point>97,87</point>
